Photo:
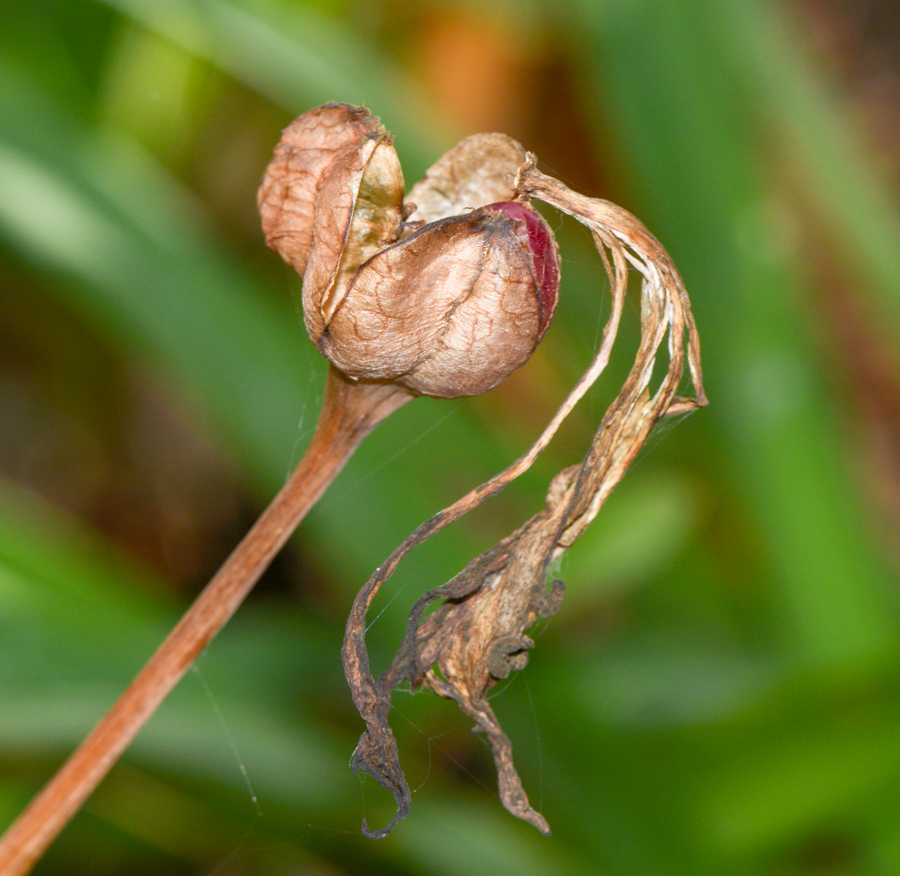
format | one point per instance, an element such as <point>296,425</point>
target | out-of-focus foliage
<point>720,692</point>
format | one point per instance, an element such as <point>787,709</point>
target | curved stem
<point>349,412</point>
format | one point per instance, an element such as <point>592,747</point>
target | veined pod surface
<point>454,308</point>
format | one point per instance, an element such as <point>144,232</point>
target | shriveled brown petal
<point>450,311</point>
<point>479,170</point>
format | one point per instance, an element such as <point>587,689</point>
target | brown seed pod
<point>448,303</point>
<point>454,308</point>
<point>479,170</point>
<point>331,197</point>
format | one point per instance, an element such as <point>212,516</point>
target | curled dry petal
<point>454,308</point>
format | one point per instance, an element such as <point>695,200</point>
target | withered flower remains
<point>445,293</point>
<point>442,293</point>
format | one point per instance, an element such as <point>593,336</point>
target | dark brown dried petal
<point>450,311</point>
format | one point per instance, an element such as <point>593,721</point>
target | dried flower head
<point>445,297</point>
<point>444,294</point>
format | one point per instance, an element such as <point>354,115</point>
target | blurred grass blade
<point>836,170</point>
<point>801,776</point>
<point>76,622</point>
<point>686,140</point>
<point>298,59</point>
<point>167,289</point>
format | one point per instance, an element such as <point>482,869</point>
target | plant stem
<point>349,412</point>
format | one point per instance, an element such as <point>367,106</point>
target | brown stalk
<point>350,410</point>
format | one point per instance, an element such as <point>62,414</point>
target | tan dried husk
<point>477,636</point>
<point>331,197</point>
<point>479,170</point>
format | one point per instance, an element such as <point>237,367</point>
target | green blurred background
<point>720,693</point>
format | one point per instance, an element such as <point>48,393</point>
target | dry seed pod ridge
<point>446,304</point>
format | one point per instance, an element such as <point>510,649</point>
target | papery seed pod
<point>331,197</point>
<point>479,170</point>
<point>454,308</point>
<point>447,304</point>
<point>537,239</point>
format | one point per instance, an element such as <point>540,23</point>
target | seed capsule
<point>447,303</point>
<point>331,197</point>
<point>453,309</point>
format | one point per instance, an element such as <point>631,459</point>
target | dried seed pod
<point>537,239</point>
<point>311,148</point>
<point>479,170</point>
<point>447,304</point>
<point>331,197</point>
<point>454,308</point>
